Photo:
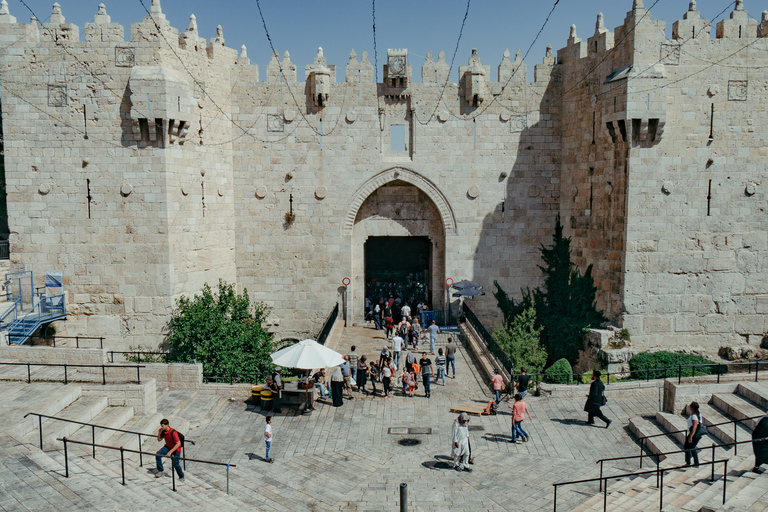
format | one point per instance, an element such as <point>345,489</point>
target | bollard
<point>403,497</point>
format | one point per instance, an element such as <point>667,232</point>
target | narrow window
<point>593,127</point>
<point>474,131</point>
<point>709,197</point>
<point>397,138</point>
<point>712,122</point>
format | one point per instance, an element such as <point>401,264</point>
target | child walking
<point>518,415</point>
<point>268,438</point>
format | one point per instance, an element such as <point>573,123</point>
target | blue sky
<point>419,25</point>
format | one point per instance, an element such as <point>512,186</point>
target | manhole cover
<point>476,427</point>
<point>409,442</point>
<point>398,431</point>
<point>420,430</point>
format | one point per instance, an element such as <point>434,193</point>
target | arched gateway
<point>397,222</point>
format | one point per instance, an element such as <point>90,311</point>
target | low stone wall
<point>690,389</point>
<point>50,355</point>
<point>142,397</point>
<point>171,376</point>
<point>615,389</point>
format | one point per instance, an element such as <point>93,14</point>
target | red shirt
<point>171,438</point>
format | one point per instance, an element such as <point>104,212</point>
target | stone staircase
<point>690,489</point>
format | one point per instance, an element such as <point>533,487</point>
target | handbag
<point>605,400</point>
<point>701,430</point>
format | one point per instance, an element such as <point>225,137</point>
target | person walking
<point>522,383</point>
<point>388,320</point>
<point>384,355</point>
<point>450,357</point>
<point>373,373</point>
<point>406,312</point>
<point>415,333</point>
<point>268,438</point>
<point>346,373</point>
<point>362,375</point>
<point>402,330</point>
<point>434,330</point>
<point>595,400</point>
<point>760,444</point>
<point>440,366</point>
<point>277,390</point>
<point>519,409</point>
<point>337,387</point>
<point>386,377</point>
<point>397,347</point>
<point>172,446</point>
<point>353,360</point>
<point>377,317</point>
<point>460,443</point>
<point>693,434</point>
<point>497,384</point>
<point>426,373</point>
<point>408,383</point>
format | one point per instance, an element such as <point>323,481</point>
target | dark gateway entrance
<point>398,266</point>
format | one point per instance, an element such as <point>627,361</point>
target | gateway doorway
<point>399,266</point>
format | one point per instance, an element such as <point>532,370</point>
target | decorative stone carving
<point>473,192</point>
<point>126,189</point>
<point>505,116</point>
<point>125,56</point>
<point>518,123</point>
<point>44,189</point>
<point>220,192</point>
<point>275,123</point>
<point>289,115</point>
<point>185,190</point>
<point>261,192</point>
<point>713,90</point>
<point>534,191</point>
<point>666,187</point>
<point>670,54</point>
<point>443,116</point>
<point>57,95</point>
<point>737,90</point>
<point>351,116</point>
<point>751,188</point>
<point>321,192</point>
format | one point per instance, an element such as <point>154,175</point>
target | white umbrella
<point>307,355</point>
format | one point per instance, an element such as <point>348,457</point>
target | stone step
<point>756,392</point>
<point>642,427</point>
<point>738,408</point>
<point>671,423</point>
<point>83,409</point>
<point>752,496</point>
<point>42,400</point>
<point>713,415</point>
<point>112,417</point>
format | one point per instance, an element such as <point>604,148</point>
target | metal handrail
<point>657,456</point>
<point>122,451</point>
<point>328,325</point>
<point>67,365</point>
<point>77,340</point>
<point>659,481</point>
<point>93,432</point>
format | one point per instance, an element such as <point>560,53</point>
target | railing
<point>93,433</point>
<point>328,325</point>
<point>486,337</point>
<point>735,434</point>
<point>77,339</point>
<point>232,378</point>
<point>151,357</point>
<point>45,308</point>
<point>11,315</point>
<point>658,456</point>
<point>122,451</point>
<point>659,481</point>
<point>66,366</point>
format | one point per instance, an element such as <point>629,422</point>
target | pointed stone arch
<point>408,176</point>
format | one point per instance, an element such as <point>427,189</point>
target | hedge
<point>560,366</point>
<point>655,362</point>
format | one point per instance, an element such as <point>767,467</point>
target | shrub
<point>558,367</point>
<point>586,378</point>
<point>650,365</point>
<point>520,339</point>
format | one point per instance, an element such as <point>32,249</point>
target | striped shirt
<point>440,362</point>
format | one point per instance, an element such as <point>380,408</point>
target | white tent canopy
<point>307,355</point>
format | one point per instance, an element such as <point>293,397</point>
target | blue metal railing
<point>44,310</point>
<point>441,317</point>
<point>10,315</point>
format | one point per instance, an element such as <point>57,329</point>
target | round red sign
<point>346,281</point>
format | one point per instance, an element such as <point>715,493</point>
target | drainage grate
<point>420,430</point>
<point>476,428</point>
<point>414,431</point>
<point>409,442</point>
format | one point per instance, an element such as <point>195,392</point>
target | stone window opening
<point>653,128</point>
<point>397,138</point>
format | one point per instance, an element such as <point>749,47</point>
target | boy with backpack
<point>173,444</point>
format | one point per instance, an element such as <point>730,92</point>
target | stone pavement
<point>346,458</point>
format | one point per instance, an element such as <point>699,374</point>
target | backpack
<point>181,436</point>
<point>702,430</point>
<point>404,330</point>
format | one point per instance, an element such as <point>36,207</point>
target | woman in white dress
<point>460,443</point>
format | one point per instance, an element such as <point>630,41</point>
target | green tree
<point>520,339</point>
<point>224,331</point>
<point>566,307</point>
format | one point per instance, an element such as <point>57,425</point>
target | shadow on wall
<point>524,216</point>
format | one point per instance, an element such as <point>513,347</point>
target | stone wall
<point>144,168</point>
<point>142,397</point>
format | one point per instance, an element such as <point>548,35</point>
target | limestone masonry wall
<point>146,167</point>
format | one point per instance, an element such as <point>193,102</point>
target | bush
<point>650,365</point>
<point>586,378</point>
<point>560,366</point>
<point>520,339</point>
<point>224,331</point>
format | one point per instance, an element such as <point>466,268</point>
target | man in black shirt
<point>426,372</point>
<point>522,383</point>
